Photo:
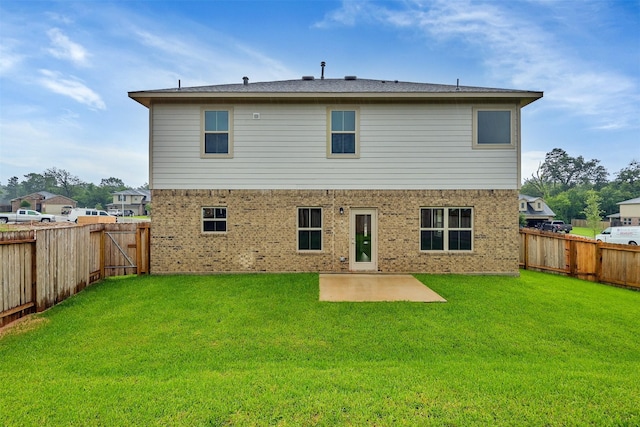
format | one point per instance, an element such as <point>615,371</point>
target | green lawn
<point>584,231</point>
<point>261,350</point>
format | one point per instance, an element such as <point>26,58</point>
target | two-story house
<point>334,175</point>
<point>135,201</point>
<point>534,209</point>
<point>629,212</point>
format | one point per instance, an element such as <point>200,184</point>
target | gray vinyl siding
<point>401,147</point>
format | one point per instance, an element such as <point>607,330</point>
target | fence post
<point>102,243</point>
<point>525,236</point>
<point>34,276</point>
<point>139,268</point>
<point>573,258</point>
<point>598,262</point>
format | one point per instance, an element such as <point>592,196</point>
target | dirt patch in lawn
<point>23,325</point>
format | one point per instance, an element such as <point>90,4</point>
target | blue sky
<point>66,67</point>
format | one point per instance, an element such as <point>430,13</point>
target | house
<point>45,202</point>
<point>534,209</point>
<point>334,175</point>
<point>134,200</point>
<point>629,212</point>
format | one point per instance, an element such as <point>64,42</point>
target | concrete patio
<point>375,287</point>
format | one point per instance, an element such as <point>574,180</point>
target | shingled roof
<point>349,86</point>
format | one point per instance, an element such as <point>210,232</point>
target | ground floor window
<point>214,220</point>
<point>309,229</point>
<point>446,229</point>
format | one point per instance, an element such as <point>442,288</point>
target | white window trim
<point>445,230</point>
<point>204,155</point>
<point>356,155</point>
<point>309,251</point>
<point>203,219</point>
<point>514,127</point>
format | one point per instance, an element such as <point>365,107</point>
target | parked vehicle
<point>114,212</point>
<point>556,226</point>
<point>128,212</point>
<point>75,213</point>
<point>622,235</point>
<point>26,215</point>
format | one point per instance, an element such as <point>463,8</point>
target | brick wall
<point>262,231</point>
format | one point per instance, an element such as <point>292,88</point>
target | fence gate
<point>125,249</point>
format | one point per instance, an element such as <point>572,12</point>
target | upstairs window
<point>217,135</point>
<point>214,220</point>
<point>309,229</point>
<point>493,127</point>
<point>343,133</point>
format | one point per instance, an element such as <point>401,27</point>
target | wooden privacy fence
<point>41,267</point>
<point>580,257</point>
<point>583,223</point>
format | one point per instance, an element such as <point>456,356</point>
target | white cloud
<point>9,59</point>
<point>349,14</point>
<point>72,88</point>
<point>220,59</point>
<point>514,48</point>
<point>63,48</point>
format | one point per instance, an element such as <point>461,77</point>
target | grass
<point>261,350</point>
<point>584,231</point>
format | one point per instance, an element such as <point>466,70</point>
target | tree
<point>65,182</point>
<point>12,189</point>
<point>592,211</point>
<point>560,205</point>
<point>564,171</point>
<point>112,183</point>
<point>36,182</point>
<point>537,185</point>
<point>629,178</point>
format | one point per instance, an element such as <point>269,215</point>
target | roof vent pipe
<point>245,80</point>
<point>322,65</point>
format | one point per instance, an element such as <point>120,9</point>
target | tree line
<point>64,183</point>
<point>571,186</point>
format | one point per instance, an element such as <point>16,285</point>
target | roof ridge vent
<point>308,78</point>
<point>350,77</point>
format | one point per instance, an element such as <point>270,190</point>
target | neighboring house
<point>534,209</point>
<point>45,202</point>
<point>335,175</point>
<point>629,212</point>
<point>134,200</point>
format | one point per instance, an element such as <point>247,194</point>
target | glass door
<point>364,251</point>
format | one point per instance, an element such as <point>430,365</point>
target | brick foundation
<point>262,231</point>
